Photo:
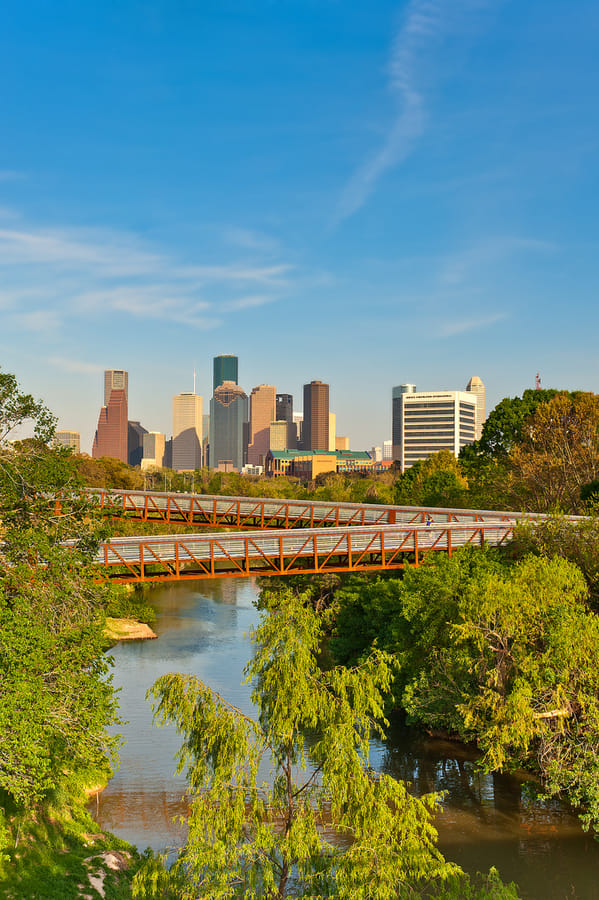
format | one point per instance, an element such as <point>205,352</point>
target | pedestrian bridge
<point>350,548</point>
<point>216,511</point>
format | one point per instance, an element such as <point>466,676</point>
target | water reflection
<point>486,820</point>
<point>494,820</point>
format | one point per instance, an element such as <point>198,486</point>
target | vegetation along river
<point>202,629</point>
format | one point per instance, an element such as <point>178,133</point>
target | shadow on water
<point>495,820</point>
<point>485,820</point>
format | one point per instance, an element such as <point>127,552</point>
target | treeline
<point>56,696</point>
<point>537,453</point>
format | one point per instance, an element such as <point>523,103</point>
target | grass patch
<point>46,856</point>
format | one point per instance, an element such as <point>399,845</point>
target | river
<point>202,629</point>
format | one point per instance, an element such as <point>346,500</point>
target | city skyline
<point>368,195</point>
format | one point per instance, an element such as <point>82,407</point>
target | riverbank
<point>128,629</point>
<point>61,854</point>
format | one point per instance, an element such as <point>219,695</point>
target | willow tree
<point>323,824</point>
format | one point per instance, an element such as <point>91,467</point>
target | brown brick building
<point>316,416</point>
<point>262,413</point>
<point>111,437</point>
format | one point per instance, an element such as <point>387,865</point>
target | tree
<point>250,839</point>
<point>436,481</point>
<point>506,655</point>
<point>16,408</point>
<point>502,429</point>
<point>55,696</point>
<point>484,463</point>
<point>558,454</point>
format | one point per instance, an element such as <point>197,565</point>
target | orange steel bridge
<point>351,548</point>
<point>216,511</point>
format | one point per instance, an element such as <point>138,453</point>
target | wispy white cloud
<point>8,213</point>
<point>149,302</point>
<point>249,239</point>
<point>94,272</point>
<point>78,367</point>
<point>426,25</point>
<point>275,275</point>
<point>454,327</point>
<point>74,250</point>
<point>250,302</point>
<point>11,175</point>
<point>484,254</point>
<point>42,320</point>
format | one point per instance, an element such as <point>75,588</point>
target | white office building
<point>187,432</point>
<point>425,422</point>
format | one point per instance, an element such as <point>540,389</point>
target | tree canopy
<point>55,695</point>
<point>558,454</point>
<point>252,838</point>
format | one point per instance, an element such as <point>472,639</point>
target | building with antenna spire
<point>187,432</point>
<point>475,386</point>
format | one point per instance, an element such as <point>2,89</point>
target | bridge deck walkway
<point>217,511</point>
<point>286,552</point>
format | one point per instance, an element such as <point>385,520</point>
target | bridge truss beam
<point>216,511</point>
<point>313,551</point>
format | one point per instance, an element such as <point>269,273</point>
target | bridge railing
<point>267,512</point>
<point>284,552</point>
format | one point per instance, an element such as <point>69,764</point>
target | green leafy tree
<point>252,839</point>
<point>558,454</point>
<point>506,656</point>
<point>436,481</point>
<point>55,696</point>
<point>503,428</point>
<point>484,463</point>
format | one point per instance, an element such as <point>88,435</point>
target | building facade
<point>316,416</point>
<point>262,413</point>
<point>307,464</point>
<point>224,368</point>
<point>332,431</point>
<point>135,443</point>
<point>425,422</point>
<point>187,432</point>
<point>284,413</point>
<point>111,438</point>
<point>69,439</point>
<point>115,380</point>
<point>229,426</point>
<point>476,387</point>
<point>278,436</point>
<point>154,445</point>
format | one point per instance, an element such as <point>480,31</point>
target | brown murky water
<point>486,820</point>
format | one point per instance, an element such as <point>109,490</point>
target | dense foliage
<point>497,653</point>
<point>249,838</point>
<point>55,695</point>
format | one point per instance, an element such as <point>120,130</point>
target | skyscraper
<point>115,380</point>
<point>284,413</point>
<point>111,438</point>
<point>262,413</point>
<point>278,435</point>
<point>187,432</point>
<point>135,443</point>
<point>332,431</point>
<point>228,426</point>
<point>225,368</point>
<point>425,422</point>
<point>475,386</point>
<point>316,416</point>
<point>154,444</point>
<point>69,439</point>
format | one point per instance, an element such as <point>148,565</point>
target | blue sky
<point>367,193</point>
